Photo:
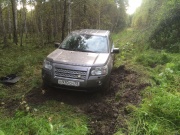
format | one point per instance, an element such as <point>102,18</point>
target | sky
<point>29,8</point>
<point>133,5</point>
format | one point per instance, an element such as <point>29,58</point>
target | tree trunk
<point>42,31</point>
<point>15,38</point>
<point>23,20</point>
<point>99,16</point>
<point>3,28</point>
<point>55,30</point>
<point>64,21</point>
<point>69,17</point>
<point>9,21</point>
<point>39,22</point>
<point>25,26</point>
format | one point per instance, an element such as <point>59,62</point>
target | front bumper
<point>89,84</point>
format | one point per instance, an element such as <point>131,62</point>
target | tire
<point>44,86</point>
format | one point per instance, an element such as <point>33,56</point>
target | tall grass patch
<point>50,119</point>
<point>159,111</point>
<point>25,62</point>
<point>152,58</point>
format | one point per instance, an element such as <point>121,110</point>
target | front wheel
<point>106,87</point>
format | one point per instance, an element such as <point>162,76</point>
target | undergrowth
<point>159,111</point>
<point>25,62</point>
<point>160,20</point>
<point>49,118</point>
<point>46,120</point>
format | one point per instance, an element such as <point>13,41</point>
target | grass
<point>26,62</point>
<point>159,112</point>
<point>52,117</point>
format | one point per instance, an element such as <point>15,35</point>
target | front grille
<point>67,73</point>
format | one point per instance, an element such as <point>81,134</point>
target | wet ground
<point>107,110</point>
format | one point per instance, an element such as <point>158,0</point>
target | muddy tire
<point>44,86</point>
<point>106,87</point>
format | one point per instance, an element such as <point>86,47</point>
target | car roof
<point>92,32</point>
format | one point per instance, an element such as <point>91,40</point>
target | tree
<point>53,19</point>
<point>23,20</point>
<point>3,26</point>
<point>9,19</point>
<point>14,12</point>
<point>122,16</point>
<point>64,20</point>
<point>69,17</point>
<point>39,21</point>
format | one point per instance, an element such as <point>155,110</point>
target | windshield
<point>85,43</point>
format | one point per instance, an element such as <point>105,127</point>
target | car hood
<point>78,58</point>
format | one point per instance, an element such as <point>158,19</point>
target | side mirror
<point>115,50</point>
<point>56,45</point>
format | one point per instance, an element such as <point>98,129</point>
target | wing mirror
<point>115,50</point>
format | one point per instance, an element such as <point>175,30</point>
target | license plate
<point>68,83</point>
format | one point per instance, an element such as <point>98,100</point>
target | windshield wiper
<point>79,50</point>
<point>66,49</point>
<point>86,51</point>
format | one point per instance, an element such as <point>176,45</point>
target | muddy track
<point>107,110</point>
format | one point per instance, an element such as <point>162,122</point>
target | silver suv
<point>83,61</point>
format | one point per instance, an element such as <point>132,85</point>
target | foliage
<point>166,34</point>
<point>157,26</point>
<point>51,19</point>
<point>161,20</point>
<point>159,111</point>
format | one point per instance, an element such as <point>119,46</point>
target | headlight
<point>99,71</point>
<point>47,65</point>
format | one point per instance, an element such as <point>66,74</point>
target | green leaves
<point>161,20</point>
